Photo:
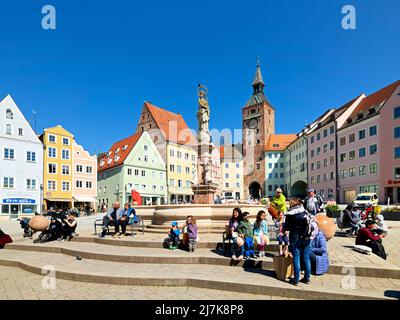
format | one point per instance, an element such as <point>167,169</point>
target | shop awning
<point>58,200</point>
<point>84,199</point>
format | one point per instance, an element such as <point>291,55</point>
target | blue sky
<point>93,73</point>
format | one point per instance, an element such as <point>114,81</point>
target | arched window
<point>8,129</point>
<point>9,114</point>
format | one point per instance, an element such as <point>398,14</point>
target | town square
<point>174,153</point>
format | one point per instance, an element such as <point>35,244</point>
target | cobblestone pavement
<point>16,284</point>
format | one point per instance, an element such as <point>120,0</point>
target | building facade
<point>258,123</point>
<point>275,162</point>
<point>57,168</point>
<point>21,163</point>
<point>84,178</point>
<point>132,164</point>
<point>176,144</point>
<point>232,171</point>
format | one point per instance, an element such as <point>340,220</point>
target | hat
<point>174,224</point>
<point>279,190</point>
<point>311,190</point>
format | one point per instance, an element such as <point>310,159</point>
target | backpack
<point>312,227</point>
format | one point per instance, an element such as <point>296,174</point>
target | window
<point>312,153</point>
<point>171,153</point>
<point>179,169</point>
<point>270,176</point>
<point>79,168</point>
<point>325,133</point>
<point>193,157</point>
<point>342,174</point>
<point>52,152</point>
<point>342,141</point>
<point>362,170</point>
<point>258,166</point>
<point>172,168</point>
<point>373,131</point>
<point>187,184</point>
<point>237,184</point>
<point>237,176</point>
<point>281,175</point>
<point>270,165</point>
<point>31,184</point>
<point>8,153</point>
<point>332,129</point>
<point>237,165</point>
<point>312,166</point>
<point>332,145</point>
<point>9,114</point>
<point>8,129</point>
<point>89,169</point>
<point>318,178</point>
<point>129,172</point>
<point>325,163</point>
<point>361,152</point>
<point>20,131</point>
<point>332,175</point>
<point>31,156</point>
<point>226,165</point>
<point>396,133</point>
<point>369,189</point>
<point>89,184</point>
<point>51,185</point>
<point>226,175</point>
<point>143,173</point>
<point>318,164</point>
<point>186,156</point>
<point>281,165</point>
<point>352,172</point>
<point>187,170</point>
<point>318,150</point>
<point>52,168</point>
<point>146,147</point>
<point>397,153</point>
<point>65,170</point>
<point>65,154</point>
<point>352,137</point>
<point>373,168</point>
<point>179,183</point>
<point>226,184</point>
<point>65,186</point>
<point>396,113</point>
<point>52,138</point>
<point>373,149</point>
<point>146,158</point>
<point>65,141</point>
<point>352,155</point>
<point>179,154</point>
<point>325,177</point>
<point>342,157</point>
<point>361,134</point>
<point>143,187</point>
<point>397,173</point>
<point>325,148</point>
<point>8,182</point>
<point>312,139</point>
<point>79,184</point>
<point>318,136</point>
<point>332,160</point>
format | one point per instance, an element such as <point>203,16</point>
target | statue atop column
<point>203,115</point>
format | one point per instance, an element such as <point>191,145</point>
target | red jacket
<point>364,235</point>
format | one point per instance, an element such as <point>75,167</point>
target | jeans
<point>235,248</point>
<point>123,224</point>
<point>300,249</point>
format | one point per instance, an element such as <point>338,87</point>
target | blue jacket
<point>257,230</point>
<point>120,212</point>
<point>319,248</point>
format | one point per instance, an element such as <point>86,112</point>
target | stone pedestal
<point>204,194</point>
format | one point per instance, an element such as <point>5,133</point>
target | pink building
<point>322,151</point>
<point>366,150</point>
<point>84,178</point>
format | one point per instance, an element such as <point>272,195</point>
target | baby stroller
<point>249,248</point>
<point>24,222</point>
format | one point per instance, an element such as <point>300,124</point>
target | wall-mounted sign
<point>19,201</point>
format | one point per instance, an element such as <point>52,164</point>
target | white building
<point>21,163</point>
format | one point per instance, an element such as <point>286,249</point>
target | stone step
<point>193,275</point>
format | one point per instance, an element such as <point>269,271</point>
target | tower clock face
<point>252,124</point>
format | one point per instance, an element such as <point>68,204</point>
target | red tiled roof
<point>278,142</point>
<point>112,158</point>
<point>172,125</point>
<point>374,99</point>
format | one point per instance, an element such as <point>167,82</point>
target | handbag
<point>283,267</point>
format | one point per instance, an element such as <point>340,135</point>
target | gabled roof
<point>172,125</point>
<point>375,100</point>
<point>118,152</point>
<point>279,142</point>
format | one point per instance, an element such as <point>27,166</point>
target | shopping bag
<point>283,267</point>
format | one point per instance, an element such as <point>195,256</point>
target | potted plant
<point>332,211</point>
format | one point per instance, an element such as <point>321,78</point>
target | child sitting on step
<point>173,236</point>
<point>190,233</point>
<point>245,230</point>
<point>260,232</point>
<point>281,236</point>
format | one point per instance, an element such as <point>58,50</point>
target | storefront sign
<point>19,201</point>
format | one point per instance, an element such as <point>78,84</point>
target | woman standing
<point>297,224</point>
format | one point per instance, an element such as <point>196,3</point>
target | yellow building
<point>58,168</point>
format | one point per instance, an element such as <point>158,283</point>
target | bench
<point>132,222</point>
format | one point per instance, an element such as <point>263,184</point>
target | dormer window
<point>9,114</point>
<point>360,116</point>
<point>101,163</point>
<point>116,158</point>
<point>8,129</point>
<point>275,145</point>
<point>109,161</point>
<point>124,147</point>
<point>349,120</point>
<point>371,111</point>
<point>109,154</point>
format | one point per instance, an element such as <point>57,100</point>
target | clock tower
<point>258,123</point>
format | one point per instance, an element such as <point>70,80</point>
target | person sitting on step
<point>173,236</point>
<point>245,230</point>
<point>237,242</point>
<point>367,237</point>
<point>260,232</point>
<point>69,226</point>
